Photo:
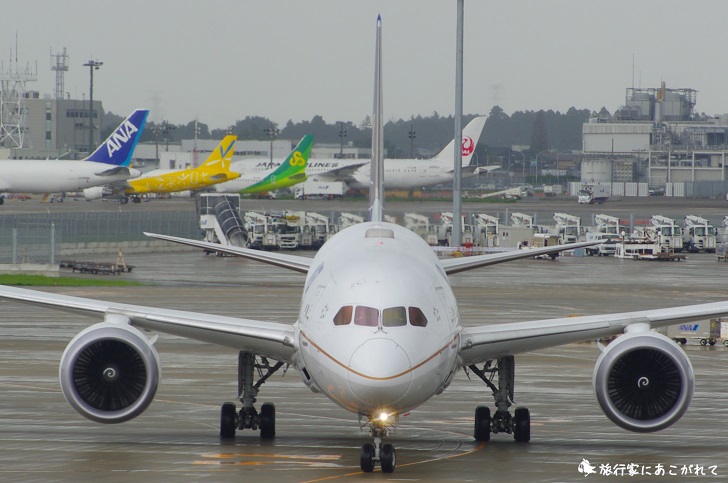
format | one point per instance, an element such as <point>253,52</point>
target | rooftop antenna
<point>60,67</point>
<point>13,80</point>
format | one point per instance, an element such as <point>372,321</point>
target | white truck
<point>590,194</point>
<point>666,232</point>
<point>487,230</point>
<point>319,190</point>
<point>698,235</point>
<point>568,227</point>
<point>704,332</point>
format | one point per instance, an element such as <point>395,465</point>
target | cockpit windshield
<point>391,317</point>
<point>366,316</point>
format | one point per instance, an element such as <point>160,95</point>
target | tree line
<point>419,136</point>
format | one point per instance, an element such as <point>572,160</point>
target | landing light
<point>383,417</point>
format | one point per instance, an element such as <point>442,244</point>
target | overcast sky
<point>222,60</point>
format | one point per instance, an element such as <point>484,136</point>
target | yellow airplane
<point>216,169</point>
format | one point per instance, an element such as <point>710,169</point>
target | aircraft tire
<point>522,425</point>
<point>388,458</point>
<point>268,421</point>
<point>227,420</point>
<point>367,458</point>
<point>482,424</point>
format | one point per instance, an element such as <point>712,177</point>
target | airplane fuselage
<point>408,174</point>
<point>174,180</point>
<point>53,176</point>
<point>378,325</point>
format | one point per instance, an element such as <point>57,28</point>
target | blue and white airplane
<point>108,164</point>
<point>379,334</point>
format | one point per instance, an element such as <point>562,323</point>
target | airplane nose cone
<point>380,372</point>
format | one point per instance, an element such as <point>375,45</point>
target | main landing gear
<point>248,417</point>
<point>501,422</point>
<point>371,453</point>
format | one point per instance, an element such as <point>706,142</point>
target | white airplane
<point>316,169</point>
<point>107,165</point>
<point>379,334</point>
<point>417,173</point>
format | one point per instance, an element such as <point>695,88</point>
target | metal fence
<point>35,238</point>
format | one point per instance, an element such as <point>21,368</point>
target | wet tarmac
<point>176,439</point>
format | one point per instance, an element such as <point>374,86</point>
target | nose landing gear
<point>384,454</point>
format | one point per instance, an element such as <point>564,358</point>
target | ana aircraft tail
<point>217,165</point>
<point>292,171</point>
<point>471,134</point>
<point>119,146</point>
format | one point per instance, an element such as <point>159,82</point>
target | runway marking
<point>414,463</point>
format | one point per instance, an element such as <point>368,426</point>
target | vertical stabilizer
<point>119,146</point>
<point>376,184</point>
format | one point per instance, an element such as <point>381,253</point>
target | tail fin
<point>220,157</point>
<point>292,171</point>
<point>471,134</point>
<point>376,182</point>
<point>119,146</point>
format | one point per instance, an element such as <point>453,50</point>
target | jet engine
<point>643,381</point>
<point>110,372</point>
<point>97,192</point>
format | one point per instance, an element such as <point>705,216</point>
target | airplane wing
<point>345,172</point>
<point>486,169</point>
<point>291,262</point>
<point>268,339</point>
<point>484,343</point>
<point>455,265</point>
<point>116,170</point>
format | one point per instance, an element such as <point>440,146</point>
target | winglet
<point>292,171</point>
<point>119,146</point>
<point>376,182</point>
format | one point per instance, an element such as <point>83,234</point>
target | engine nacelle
<point>110,372</point>
<point>97,192</point>
<point>643,381</point>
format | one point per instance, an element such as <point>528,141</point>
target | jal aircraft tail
<point>217,165</point>
<point>376,183</point>
<point>119,146</point>
<point>471,134</point>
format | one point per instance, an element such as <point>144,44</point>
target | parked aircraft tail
<point>119,146</point>
<point>217,165</point>
<point>471,134</point>
<point>292,171</point>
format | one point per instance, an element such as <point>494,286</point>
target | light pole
<point>412,136</point>
<point>272,133</point>
<point>523,164</point>
<point>92,65</point>
<point>342,135</point>
<point>539,154</point>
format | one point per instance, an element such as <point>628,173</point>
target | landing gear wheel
<point>703,342</point>
<point>228,421</point>
<point>267,421</point>
<point>482,424</point>
<point>367,458</point>
<point>387,458</point>
<point>522,425</point>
